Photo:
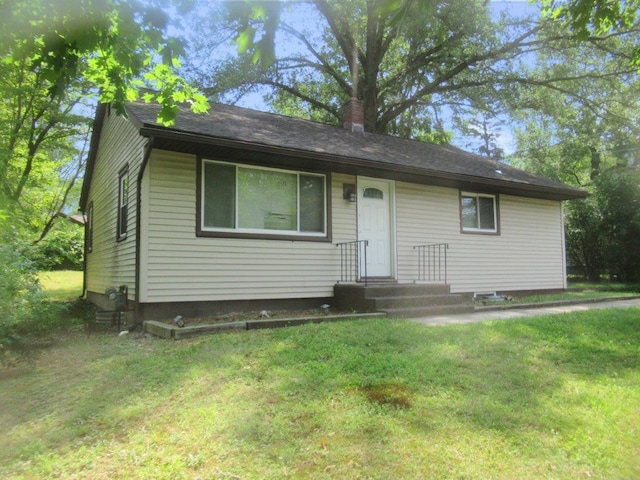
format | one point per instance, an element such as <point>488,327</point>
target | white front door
<point>374,225</point>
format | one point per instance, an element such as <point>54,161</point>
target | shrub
<point>24,308</point>
<point>61,249</point>
<point>618,195</point>
<point>602,231</point>
<point>585,241</point>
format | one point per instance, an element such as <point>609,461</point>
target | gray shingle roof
<point>327,143</point>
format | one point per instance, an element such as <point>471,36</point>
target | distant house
<point>240,209</point>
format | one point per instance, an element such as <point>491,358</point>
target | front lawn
<point>554,397</point>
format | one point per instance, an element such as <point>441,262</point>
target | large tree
<point>588,135</point>
<point>595,17</point>
<point>58,57</point>
<point>41,156</point>
<point>119,46</point>
<point>408,61</point>
<point>584,129</point>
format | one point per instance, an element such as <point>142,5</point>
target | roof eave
<point>347,163</point>
<point>96,131</point>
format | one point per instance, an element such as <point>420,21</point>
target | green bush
<point>585,241</point>
<point>25,310</point>
<point>61,249</point>
<point>602,231</point>
<point>618,194</point>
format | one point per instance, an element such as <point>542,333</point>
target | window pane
<point>123,221</point>
<point>311,204</point>
<point>469,212</point>
<point>123,203</point>
<point>89,223</point>
<point>373,193</point>
<point>487,217</point>
<point>124,189</point>
<point>219,195</point>
<point>267,200</point>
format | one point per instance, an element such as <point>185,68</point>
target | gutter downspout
<point>565,283</point>
<point>143,167</point>
<point>84,262</point>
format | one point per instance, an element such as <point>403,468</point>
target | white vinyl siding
<point>527,255</point>
<point>180,266</point>
<point>111,262</point>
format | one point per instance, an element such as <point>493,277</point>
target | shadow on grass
<point>504,377</point>
<point>355,389</point>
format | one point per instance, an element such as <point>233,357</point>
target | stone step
<point>391,289</point>
<point>407,301</point>
<point>363,298</point>
<point>409,289</point>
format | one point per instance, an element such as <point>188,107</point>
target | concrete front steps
<point>401,300</point>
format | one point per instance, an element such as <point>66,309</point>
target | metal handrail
<point>350,266</point>
<point>432,262</point>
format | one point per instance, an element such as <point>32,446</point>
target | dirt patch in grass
<point>389,394</point>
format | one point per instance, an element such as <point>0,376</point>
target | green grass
<point>576,295</point>
<point>554,397</point>
<point>607,286</point>
<point>62,285</point>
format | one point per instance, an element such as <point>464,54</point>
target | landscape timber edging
<point>556,303</point>
<point>165,330</point>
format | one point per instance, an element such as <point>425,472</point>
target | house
<point>240,209</point>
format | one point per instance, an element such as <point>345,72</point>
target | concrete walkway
<point>524,312</point>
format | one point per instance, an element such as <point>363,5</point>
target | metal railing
<point>432,262</point>
<point>350,265</point>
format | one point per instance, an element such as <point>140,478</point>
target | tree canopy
<point>41,145</point>
<point>566,74</point>
<point>118,46</point>
<point>58,58</point>
<point>409,61</point>
<point>563,75</point>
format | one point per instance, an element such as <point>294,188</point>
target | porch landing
<point>401,300</point>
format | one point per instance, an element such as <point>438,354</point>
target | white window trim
<point>495,213</point>
<point>259,231</point>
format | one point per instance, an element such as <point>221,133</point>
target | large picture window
<point>478,212</point>
<point>243,199</point>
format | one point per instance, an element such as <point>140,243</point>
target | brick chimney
<point>353,115</point>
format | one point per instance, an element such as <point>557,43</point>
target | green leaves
<point>245,39</point>
<point>588,18</point>
<point>170,91</point>
<point>55,54</point>
<point>111,43</point>
<point>249,16</point>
